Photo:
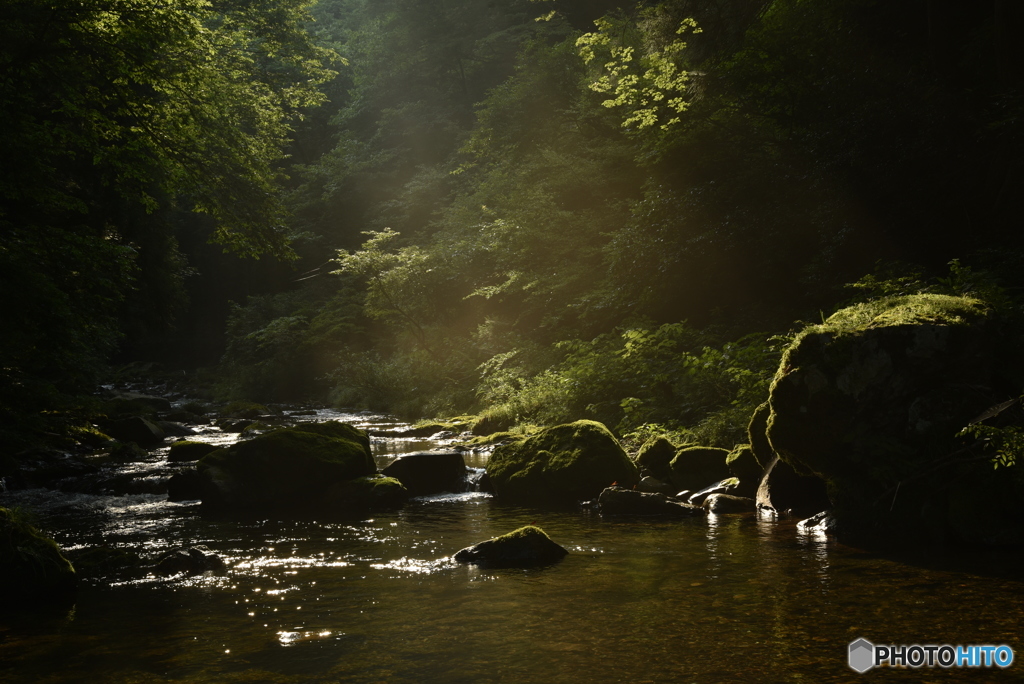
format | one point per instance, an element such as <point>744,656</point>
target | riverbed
<point>377,598</point>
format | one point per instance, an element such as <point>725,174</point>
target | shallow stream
<point>376,598</point>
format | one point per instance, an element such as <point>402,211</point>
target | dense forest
<point>531,210</point>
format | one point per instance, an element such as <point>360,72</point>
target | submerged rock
<point>561,465</point>
<point>290,467</point>
<point>429,472</point>
<point>526,547</point>
<point>32,567</point>
<point>620,501</point>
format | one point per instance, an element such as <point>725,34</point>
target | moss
<point>528,546</point>
<point>90,437</point>
<point>244,409</point>
<point>372,491</point>
<point>189,451</point>
<point>697,467</point>
<point>290,466</point>
<point>656,454</point>
<point>916,309</point>
<point>31,565</point>
<point>561,465</point>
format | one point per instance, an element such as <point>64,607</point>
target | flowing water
<point>376,598</point>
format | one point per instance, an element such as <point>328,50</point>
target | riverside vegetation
<point>527,215</point>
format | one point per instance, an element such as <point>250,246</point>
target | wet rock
<point>820,523</point>
<point>135,429</point>
<point>744,467</point>
<point>32,568</point>
<point>620,501</point>
<point>288,468</point>
<point>44,468</point>
<point>697,467</point>
<point>697,498</point>
<point>656,456</point>
<point>103,561</point>
<point>783,492</point>
<point>137,402</point>
<point>429,472</point>
<point>560,465</point>
<point>526,547</point>
<point>187,486</point>
<point>185,451</point>
<point>653,485</point>
<point>362,493</point>
<point>185,417</point>
<point>172,429</point>
<point>727,503</point>
<point>128,452</point>
<point>192,561</point>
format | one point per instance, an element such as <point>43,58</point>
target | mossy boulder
<point>32,567</point>
<point>560,465</point>
<point>362,493</point>
<point>872,400</point>
<point>757,433</point>
<point>696,467</point>
<point>429,472</point>
<point>290,467</point>
<point>142,431</point>
<point>526,547</point>
<point>743,465</point>
<point>185,450</point>
<point>656,455</point>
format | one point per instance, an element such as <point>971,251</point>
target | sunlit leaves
<point>643,76</point>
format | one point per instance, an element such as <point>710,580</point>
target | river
<point>376,598</point>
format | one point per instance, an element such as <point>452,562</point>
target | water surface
<point>376,598</point>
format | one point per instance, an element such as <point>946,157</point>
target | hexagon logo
<point>862,655</point>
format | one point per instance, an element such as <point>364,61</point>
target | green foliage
<point>643,70</point>
<point>1007,442</point>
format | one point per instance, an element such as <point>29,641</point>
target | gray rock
<point>727,503</point>
<point>783,492</point>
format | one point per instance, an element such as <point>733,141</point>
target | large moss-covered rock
<point>561,465</point>
<point>184,451</point>
<point>429,472</point>
<point>31,566</point>
<point>526,547</point>
<point>291,467</point>
<point>655,455</point>
<point>697,467</point>
<point>743,465</point>
<point>872,400</point>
